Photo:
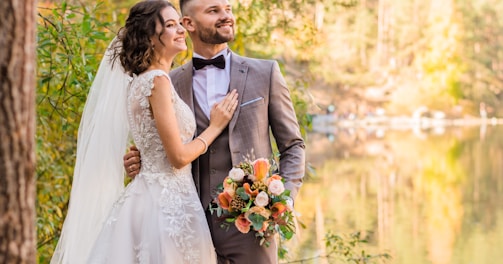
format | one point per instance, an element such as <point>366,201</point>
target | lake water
<point>423,196</point>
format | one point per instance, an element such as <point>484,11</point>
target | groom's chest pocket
<point>252,103</point>
<point>253,112</point>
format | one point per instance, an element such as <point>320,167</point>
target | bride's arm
<point>179,154</point>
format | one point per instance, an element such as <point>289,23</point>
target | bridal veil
<point>98,178</point>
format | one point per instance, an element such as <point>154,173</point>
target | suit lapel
<point>239,71</point>
<point>184,85</point>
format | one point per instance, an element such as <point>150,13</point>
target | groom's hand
<point>132,162</point>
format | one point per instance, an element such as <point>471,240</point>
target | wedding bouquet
<point>253,198</point>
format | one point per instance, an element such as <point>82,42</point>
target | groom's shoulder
<point>255,62</point>
<point>180,69</point>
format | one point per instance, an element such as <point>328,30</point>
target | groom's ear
<point>188,24</point>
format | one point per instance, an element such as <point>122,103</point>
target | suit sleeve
<point>286,132</point>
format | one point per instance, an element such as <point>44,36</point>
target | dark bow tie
<point>218,62</point>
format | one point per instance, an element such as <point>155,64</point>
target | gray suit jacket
<point>264,105</point>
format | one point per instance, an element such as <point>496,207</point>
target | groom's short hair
<point>183,6</point>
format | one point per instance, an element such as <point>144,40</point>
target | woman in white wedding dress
<point>158,218</point>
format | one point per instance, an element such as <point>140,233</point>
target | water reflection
<point>434,197</point>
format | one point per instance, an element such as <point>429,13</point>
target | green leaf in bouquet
<point>247,207</point>
<point>276,199</point>
<point>230,220</point>
<point>257,221</point>
<point>286,193</point>
<point>220,187</point>
<point>264,242</point>
<point>241,192</point>
<point>286,232</point>
<point>215,208</point>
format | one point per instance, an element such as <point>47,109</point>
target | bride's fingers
<point>232,106</point>
<point>230,96</point>
<point>232,103</point>
<point>229,100</point>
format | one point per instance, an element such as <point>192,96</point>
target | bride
<point>158,217</point>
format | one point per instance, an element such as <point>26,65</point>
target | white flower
<point>289,203</point>
<point>276,187</point>
<point>262,199</point>
<point>236,174</point>
<point>252,178</point>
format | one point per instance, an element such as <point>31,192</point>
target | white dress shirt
<point>210,83</point>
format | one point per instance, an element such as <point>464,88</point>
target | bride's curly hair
<point>134,47</point>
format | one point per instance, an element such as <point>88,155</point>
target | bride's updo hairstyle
<point>137,52</point>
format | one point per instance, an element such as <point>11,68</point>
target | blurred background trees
<point>358,55</point>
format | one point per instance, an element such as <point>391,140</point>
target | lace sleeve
<point>149,82</point>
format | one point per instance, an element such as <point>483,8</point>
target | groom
<point>265,106</point>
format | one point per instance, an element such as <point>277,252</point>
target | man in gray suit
<point>265,106</point>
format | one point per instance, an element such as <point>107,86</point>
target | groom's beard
<point>211,35</point>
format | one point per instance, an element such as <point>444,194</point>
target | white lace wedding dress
<point>159,218</point>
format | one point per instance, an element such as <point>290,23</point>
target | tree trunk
<point>17,131</point>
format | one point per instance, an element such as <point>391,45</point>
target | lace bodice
<point>143,126</point>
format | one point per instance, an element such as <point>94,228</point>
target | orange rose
<point>224,199</point>
<point>261,169</point>
<point>277,209</point>
<point>242,224</point>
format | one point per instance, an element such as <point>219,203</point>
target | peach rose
<point>262,199</point>
<point>242,224</point>
<point>261,169</point>
<point>272,178</point>
<point>276,187</point>
<point>230,186</point>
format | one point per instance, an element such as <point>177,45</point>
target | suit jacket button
<point>212,151</point>
<point>213,171</point>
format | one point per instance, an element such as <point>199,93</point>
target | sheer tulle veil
<point>98,177</point>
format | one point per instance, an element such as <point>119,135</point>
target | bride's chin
<point>184,48</point>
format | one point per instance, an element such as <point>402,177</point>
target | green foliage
<point>345,248</point>
<point>349,249</point>
<point>70,42</point>
<point>440,61</point>
<point>483,51</point>
<point>300,99</point>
